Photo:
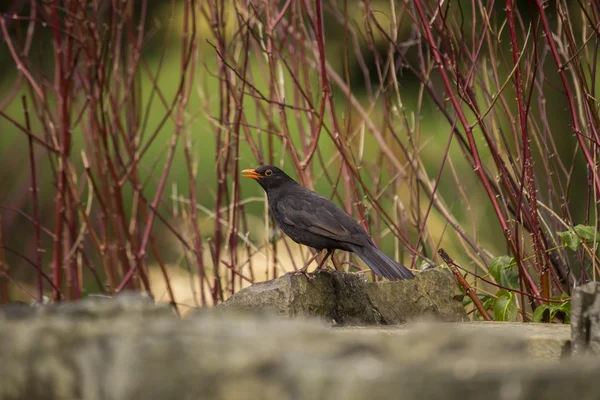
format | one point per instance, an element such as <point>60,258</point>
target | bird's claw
<point>308,276</point>
<point>302,271</point>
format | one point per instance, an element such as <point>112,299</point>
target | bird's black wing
<point>311,212</point>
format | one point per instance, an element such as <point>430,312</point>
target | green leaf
<point>496,266</point>
<point>573,238</point>
<point>488,301</point>
<point>587,232</point>
<point>504,271</point>
<point>485,299</point>
<point>538,314</point>
<point>565,307</point>
<point>505,306</point>
<point>570,239</point>
<point>554,308</point>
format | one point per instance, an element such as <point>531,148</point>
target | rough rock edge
<point>585,319</point>
<point>348,299</point>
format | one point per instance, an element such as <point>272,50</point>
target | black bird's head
<point>267,176</point>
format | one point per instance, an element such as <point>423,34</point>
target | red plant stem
<point>326,91</point>
<point>27,260</point>
<point>28,218</point>
<point>521,292</point>
<point>463,282</point>
<point>36,208</point>
<point>472,144</point>
<point>141,254</point>
<point>527,161</point>
<point>233,231</point>
<point>217,19</point>
<point>20,66</point>
<point>182,96</point>
<point>62,88</point>
<point>99,85</point>
<point>197,238</point>
<point>275,93</point>
<point>37,140</point>
<point>109,160</point>
<point>391,157</point>
<point>569,94</point>
<point>349,184</point>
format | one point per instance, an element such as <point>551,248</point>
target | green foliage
<point>563,308</point>
<point>573,238</point>
<point>505,306</point>
<point>504,271</point>
<point>486,300</point>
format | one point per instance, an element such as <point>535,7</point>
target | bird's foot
<point>302,271</point>
<point>308,276</point>
<point>321,268</point>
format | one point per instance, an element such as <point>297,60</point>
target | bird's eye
<point>268,172</point>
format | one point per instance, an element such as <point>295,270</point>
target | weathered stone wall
<point>129,348</point>
<point>585,321</point>
<point>348,299</point>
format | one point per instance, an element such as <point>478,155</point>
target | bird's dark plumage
<point>311,219</point>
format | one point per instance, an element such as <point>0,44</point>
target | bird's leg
<point>303,269</point>
<point>327,255</point>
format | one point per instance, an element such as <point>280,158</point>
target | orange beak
<point>250,173</point>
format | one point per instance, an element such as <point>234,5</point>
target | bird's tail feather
<point>381,264</point>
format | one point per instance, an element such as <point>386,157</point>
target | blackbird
<point>310,219</point>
